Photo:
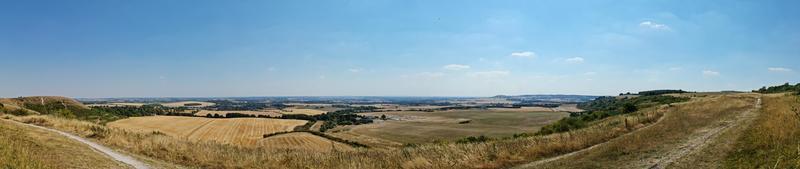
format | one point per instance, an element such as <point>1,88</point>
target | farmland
<point>302,141</point>
<point>302,111</point>
<point>421,127</point>
<point>188,104</point>
<point>235,131</point>
<point>272,113</point>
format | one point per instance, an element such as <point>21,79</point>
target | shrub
<point>472,139</point>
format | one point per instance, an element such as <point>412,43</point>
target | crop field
<point>420,127</point>
<point>212,112</point>
<point>303,111</point>
<point>182,104</point>
<point>303,141</point>
<point>235,131</point>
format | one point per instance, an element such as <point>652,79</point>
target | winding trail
<point>103,149</point>
<point>701,139</point>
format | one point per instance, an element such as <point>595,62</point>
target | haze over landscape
<point>385,84</point>
<point>393,48</point>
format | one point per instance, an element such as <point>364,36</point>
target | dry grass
<point>27,147</point>
<point>773,141</point>
<point>681,121</point>
<point>236,131</point>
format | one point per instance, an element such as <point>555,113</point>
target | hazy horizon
<point>112,49</point>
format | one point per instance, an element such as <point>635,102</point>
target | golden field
<point>235,131</point>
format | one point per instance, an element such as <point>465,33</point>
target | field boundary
<point>323,135</point>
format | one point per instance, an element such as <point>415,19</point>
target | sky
<point>199,48</point>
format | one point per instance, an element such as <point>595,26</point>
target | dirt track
<point>700,140</point>
<point>100,148</point>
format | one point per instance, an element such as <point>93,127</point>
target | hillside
<point>27,147</point>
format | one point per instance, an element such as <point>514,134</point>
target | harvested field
<point>188,104</point>
<point>421,127</point>
<point>302,141</point>
<point>116,104</point>
<point>267,113</point>
<point>303,111</point>
<point>235,131</point>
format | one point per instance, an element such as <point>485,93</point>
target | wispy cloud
<point>710,73</point>
<point>675,68</point>
<point>490,74</point>
<point>355,70</point>
<point>574,60</point>
<point>455,67</point>
<point>590,73</point>
<point>653,25</point>
<point>525,54</point>
<point>779,69</point>
<point>430,74</point>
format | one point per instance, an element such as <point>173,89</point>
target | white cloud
<point>590,73</point>
<point>490,74</point>
<point>355,70</point>
<point>653,25</point>
<point>525,54</point>
<point>455,67</point>
<point>675,68</point>
<point>709,73</point>
<point>779,69</point>
<point>574,60</point>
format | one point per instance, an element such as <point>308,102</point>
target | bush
<point>472,139</point>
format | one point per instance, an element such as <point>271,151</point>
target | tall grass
<point>491,154</point>
<point>15,150</point>
<point>773,141</point>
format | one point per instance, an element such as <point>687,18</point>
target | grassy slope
<point>679,124</point>
<point>26,147</point>
<point>773,141</point>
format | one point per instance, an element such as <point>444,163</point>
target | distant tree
<point>209,115</point>
<point>383,117</point>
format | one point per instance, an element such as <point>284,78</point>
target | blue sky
<point>116,48</point>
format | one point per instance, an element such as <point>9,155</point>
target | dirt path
<point>103,149</point>
<point>543,161</point>
<point>699,140</point>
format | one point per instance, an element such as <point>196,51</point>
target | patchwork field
<point>235,131</point>
<point>302,140</point>
<point>303,111</point>
<point>420,127</point>
<point>267,113</point>
<point>188,104</point>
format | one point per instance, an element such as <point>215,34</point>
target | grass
<point>490,154</point>
<point>27,147</point>
<point>773,141</point>
<point>679,123</point>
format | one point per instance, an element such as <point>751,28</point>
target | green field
<point>421,127</point>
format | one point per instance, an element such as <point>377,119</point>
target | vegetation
<point>786,87</point>
<point>604,107</point>
<point>773,141</point>
<point>24,147</point>
<point>489,154</point>
<point>660,92</point>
